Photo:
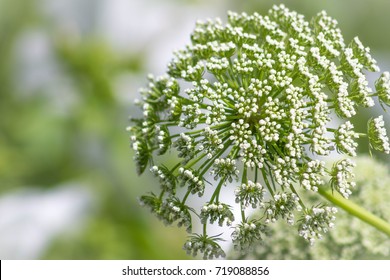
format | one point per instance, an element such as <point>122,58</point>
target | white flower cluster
<point>316,222</point>
<point>250,193</point>
<point>382,86</point>
<point>191,116</point>
<point>217,211</point>
<point>312,177</point>
<point>163,139</point>
<point>226,169</point>
<point>185,146</point>
<point>378,135</point>
<point>192,179</point>
<point>250,101</point>
<point>282,206</point>
<point>167,180</point>
<point>246,234</point>
<point>285,169</point>
<point>342,173</point>
<point>206,246</point>
<point>251,152</point>
<point>364,56</point>
<point>344,138</point>
<point>212,142</point>
<point>270,124</point>
<point>170,211</point>
<point>173,211</point>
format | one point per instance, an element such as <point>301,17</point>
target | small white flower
<point>378,135</point>
<point>344,138</point>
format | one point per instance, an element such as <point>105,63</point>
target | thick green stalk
<point>356,210</point>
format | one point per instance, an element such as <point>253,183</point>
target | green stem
<point>190,164</point>
<point>217,190</point>
<point>356,211</point>
<point>185,197</point>
<point>267,182</point>
<point>296,193</point>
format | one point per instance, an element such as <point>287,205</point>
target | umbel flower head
<point>249,103</point>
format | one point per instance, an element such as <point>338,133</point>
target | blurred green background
<point>69,70</point>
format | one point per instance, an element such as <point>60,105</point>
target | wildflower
<point>317,221</point>
<point>378,135</point>
<point>282,206</point>
<point>173,210</point>
<point>246,234</point>
<point>225,168</point>
<point>383,88</point>
<point>192,179</point>
<point>341,177</point>
<point>204,244</point>
<point>344,138</point>
<point>313,174</point>
<point>250,193</point>
<point>216,211</point>
<point>250,103</point>
<point>167,179</point>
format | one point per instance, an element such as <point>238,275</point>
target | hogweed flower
<point>250,194</point>
<point>204,244</point>
<point>378,135</point>
<point>250,103</point>
<point>317,220</point>
<point>247,233</point>
<point>382,86</point>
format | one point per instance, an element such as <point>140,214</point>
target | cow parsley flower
<point>250,193</point>
<point>344,138</point>
<point>382,86</point>
<point>216,211</point>
<point>246,234</point>
<point>252,103</point>
<point>378,135</point>
<point>207,245</point>
<point>317,221</point>
<point>342,175</point>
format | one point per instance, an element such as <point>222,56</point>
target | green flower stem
<point>190,164</point>
<point>185,197</point>
<point>267,182</point>
<point>209,163</point>
<point>271,177</point>
<point>356,211</point>
<point>205,229</point>
<point>217,190</point>
<point>244,180</point>
<point>175,167</point>
<point>300,200</point>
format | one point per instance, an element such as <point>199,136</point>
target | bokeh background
<point>69,71</point>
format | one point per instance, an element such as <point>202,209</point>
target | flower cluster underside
<point>250,103</point>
